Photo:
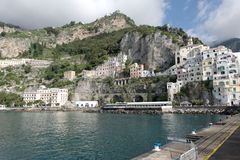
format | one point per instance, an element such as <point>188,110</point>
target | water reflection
<point>61,135</point>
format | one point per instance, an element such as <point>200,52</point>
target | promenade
<point>217,142</point>
<point>230,149</point>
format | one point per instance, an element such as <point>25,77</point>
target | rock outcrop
<point>12,45</point>
<point>154,50</point>
<point>7,29</point>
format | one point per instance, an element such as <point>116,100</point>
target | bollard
<point>194,131</point>
<point>156,146</point>
<point>210,125</point>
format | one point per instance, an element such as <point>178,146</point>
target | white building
<point>226,79</point>
<point>19,62</point>
<point>188,51</point>
<point>191,71</point>
<point>86,104</point>
<point>53,97</point>
<point>209,58</point>
<point>173,88</point>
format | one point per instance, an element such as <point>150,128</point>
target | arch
<point>117,98</point>
<point>138,98</point>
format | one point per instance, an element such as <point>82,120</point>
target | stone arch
<point>117,98</point>
<point>138,98</point>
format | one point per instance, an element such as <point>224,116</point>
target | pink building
<point>136,70</point>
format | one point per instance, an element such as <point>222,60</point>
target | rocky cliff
<point>148,89</point>
<point>198,93</point>
<point>10,45</point>
<point>154,50</point>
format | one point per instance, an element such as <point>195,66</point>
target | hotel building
<point>53,97</point>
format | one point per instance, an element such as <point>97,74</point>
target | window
<point>234,81</point>
<point>178,60</point>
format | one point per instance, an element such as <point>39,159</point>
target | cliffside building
<point>110,68</point>
<point>19,62</point>
<point>137,71</point>
<point>70,75</point>
<point>226,79</point>
<point>53,97</point>
<point>187,52</point>
<point>209,58</point>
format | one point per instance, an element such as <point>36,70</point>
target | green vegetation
<point>27,68</point>
<point>11,99</point>
<point>18,34</point>
<point>37,103</point>
<point>184,91</point>
<point>95,49</point>
<point>35,51</point>
<point>126,71</point>
<point>3,34</point>
<point>109,81</point>
<point>51,30</point>
<point>208,85</point>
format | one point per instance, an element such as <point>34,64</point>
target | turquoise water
<point>75,135</point>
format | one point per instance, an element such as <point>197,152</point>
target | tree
<point>72,23</point>
<point>11,99</point>
<point>27,68</point>
<point>3,34</point>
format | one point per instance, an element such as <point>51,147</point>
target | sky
<point>210,20</point>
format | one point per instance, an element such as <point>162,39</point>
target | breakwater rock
<point>174,111</point>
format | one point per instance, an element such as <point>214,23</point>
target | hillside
<point>79,47</point>
<point>16,42</point>
<point>233,44</point>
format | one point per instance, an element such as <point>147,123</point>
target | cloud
<point>219,23</point>
<point>42,13</point>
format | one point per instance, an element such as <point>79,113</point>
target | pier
<point>211,143</point>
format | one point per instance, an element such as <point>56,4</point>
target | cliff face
<point>155,50</point>
<point>19,41</point>
<point>11,47</point>
<point>198,93</point>
<point>7,29</point>
<point>152,89</point>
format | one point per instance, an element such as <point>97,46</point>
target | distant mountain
<point>2,24</point>
<point>233,44</point>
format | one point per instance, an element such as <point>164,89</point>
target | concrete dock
<point>207,142</point>
<point>229,149</point>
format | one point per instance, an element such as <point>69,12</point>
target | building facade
<point>53,97</point>
<point>226,79</point>
<point>209,58</point>
<point>86,104</point>
<point>19,62</point>
<point>111,67</point>
<point>188,51</point>
<point>136,70</point>
<point>70,75</point>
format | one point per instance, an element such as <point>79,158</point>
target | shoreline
<point>176,110</point>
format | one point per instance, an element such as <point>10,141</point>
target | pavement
<point>230,150</point>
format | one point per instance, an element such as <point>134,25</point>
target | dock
<point>204,143</point>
